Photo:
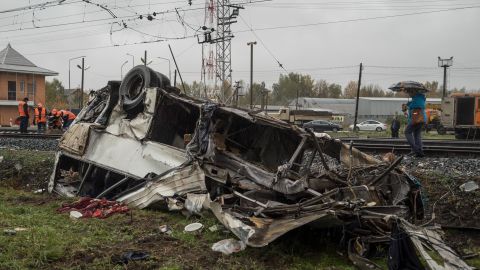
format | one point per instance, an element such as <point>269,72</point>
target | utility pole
<point>358,97</point>
<point>445,63</point>
<point>251,72</point>
<point>83,79</point>
<point>69,64</point>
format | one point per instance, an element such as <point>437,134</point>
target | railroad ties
<point>430,147</point>
<point>29,135</point>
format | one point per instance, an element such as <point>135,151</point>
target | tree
<point>288,85</point>
<point>334,90</point>
<point>434,91</point>
<point>321,89</point>
<point>196,89</point>
<point>55,94</point>
<point>244,101</point>
<point>350,91</point>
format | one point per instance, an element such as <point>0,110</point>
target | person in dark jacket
<point>413,131</point>
<point>23,114</point>
<point>395,127</point>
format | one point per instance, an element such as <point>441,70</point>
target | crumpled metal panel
<point>421,236</point>
<point>132,156</point>
<point>75,139</point>
<point>263,230</point>
<point>137,127</point>
<point>179,182</point>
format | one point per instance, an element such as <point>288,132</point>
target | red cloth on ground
<point>97,208</point>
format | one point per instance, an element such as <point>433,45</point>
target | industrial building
<point>19,78</point>
<point>375,108</point>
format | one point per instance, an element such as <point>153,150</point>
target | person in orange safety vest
<point>67,117</point>
<point>23,114</point>
<point>54,120</point>
<point>40,117</point>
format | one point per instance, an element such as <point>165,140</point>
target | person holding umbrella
<point>416,114</point>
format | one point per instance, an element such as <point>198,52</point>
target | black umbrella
<point>408,86</point>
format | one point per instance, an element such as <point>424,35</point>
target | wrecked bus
<point>142,142</point>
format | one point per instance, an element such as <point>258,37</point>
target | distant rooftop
<point>12,61</point>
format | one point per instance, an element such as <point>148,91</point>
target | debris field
<point>145,144</point>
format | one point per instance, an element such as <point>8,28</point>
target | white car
<point>370,125</point>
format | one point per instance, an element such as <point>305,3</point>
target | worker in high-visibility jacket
<point>23,114</point>
<point>67,117</point>
<point>54,120</point>
<point>40,117</point>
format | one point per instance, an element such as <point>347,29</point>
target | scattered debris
<point>129,256</point>
<point>145,144</point>
<point>93,208</point>
<point>195,203</point>
<point>39,191</point>
<point>75,215</point>
<point>9,232</point>
<point>165,229</point>
<point>18,166</point>
<point>193,227</point>
<point>228,246</point>
<point>469,186</point>
<point>213,228</point>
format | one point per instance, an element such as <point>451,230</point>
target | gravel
<point>454,167</point>
<point>41,144</point>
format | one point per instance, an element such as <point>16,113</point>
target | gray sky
<point>331,47</point>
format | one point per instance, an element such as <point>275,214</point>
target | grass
<point>54,241</point>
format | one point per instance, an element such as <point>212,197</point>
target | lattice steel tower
<point>226,15</point>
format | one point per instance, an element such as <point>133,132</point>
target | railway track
<point>28,135</point>
<point>436,147</point>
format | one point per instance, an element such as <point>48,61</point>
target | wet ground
<point>94,244</point>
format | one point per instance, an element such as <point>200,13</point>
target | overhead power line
<point>357,19</point>
<point>264,46</point>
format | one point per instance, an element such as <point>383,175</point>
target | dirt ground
<point>54,241</point>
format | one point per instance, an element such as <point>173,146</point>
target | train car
<point>461,112</point>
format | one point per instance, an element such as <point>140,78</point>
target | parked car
<point>370,125</point>
<point>322,126</point>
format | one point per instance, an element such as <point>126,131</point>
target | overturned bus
<point>142,142</point>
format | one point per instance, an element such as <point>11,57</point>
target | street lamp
<point>133,60</point>
<point>169,69</point>
<point>83,68</point>
<point>445,63</point>
<point>69,63</point>
<point>121,69</point>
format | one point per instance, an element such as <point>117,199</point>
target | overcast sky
<point>324,38</point>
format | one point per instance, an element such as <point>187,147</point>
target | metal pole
<point>266,102</point>
<point>444,82</point>
<point>179,74</point>
<point>145,58</point>
<point>358,96</point>
<point>251,72</point>
<point>69,64</point>
<point>175,79</point>
<point>83,79</point>
<point>296,109</point>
